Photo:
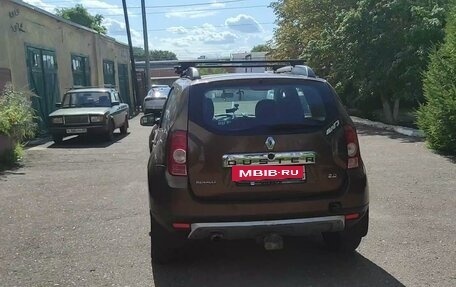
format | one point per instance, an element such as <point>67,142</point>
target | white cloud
<point>244,23</point>
<point>106,7</point>
<point>117,29</point>
<point>42,5</point>
<point>220,38</point>
<point>113,24</point>
<point>205,40</point>
<point>177,30</point>
<point>195,12</point>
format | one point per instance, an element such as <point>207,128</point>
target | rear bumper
<point>170,205</point>
<point>254,229</point>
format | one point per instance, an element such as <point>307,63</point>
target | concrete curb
<point>37,141</point>
<point>398,129</point>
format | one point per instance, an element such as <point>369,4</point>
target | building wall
<point>23,25</point>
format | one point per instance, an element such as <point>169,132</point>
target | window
<point>170,109</point>
<point>81,70</point>
<point>86,99</point>
<point>115,97</point>
<point>230,107</point>
<point>109,73</point>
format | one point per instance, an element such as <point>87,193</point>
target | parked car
<point>155,99</point>
<point>258,156</point>
<point>89,111</point>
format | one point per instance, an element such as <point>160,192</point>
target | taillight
<point>351,138</point>
<point>177,156</point>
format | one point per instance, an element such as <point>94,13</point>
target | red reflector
<point>181,225</point>
<point>352,162</point>
<point>351,216</point>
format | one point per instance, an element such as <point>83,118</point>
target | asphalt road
<point>77,215</point>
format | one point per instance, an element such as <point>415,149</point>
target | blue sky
<point>214,28</point>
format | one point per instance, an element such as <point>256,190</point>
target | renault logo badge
<point>270,143</point>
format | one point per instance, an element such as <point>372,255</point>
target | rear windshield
<point>159,92</point>
<point>229,108</point>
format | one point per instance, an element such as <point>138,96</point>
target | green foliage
<point>16,115</point>
<point>437,118</point>
<point>211,71</point>
<point>300,22</point>
<point>373,51</point>
<point>155,55</point>
<point>261,48</point>
<point>81,16</point>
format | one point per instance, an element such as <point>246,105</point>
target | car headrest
<point>265,110</point>
<point>208,109</point>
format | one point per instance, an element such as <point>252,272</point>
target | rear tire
<point>164,244</point>
<point>348,240</point>
<point>124,127</point>
<point>58,139</point>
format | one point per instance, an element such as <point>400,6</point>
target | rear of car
<point>258,156</point>
<point>155,100</point>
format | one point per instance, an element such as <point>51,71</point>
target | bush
<point>437,118</point>
<point>16,122</point>
<point>9,158</point>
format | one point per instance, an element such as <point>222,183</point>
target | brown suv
<point>257,155</point>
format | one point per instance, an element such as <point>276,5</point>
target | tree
<point>211,71</point>
<point>372,50</point>
<point>155,55</point>
<point>81,16</point>
<point>437,118</point>
<point>300,22</point>
<point>261,48</point>
<point>385,48</point>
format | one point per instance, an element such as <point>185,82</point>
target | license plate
<point>270,172</point>
<point>76,131</point>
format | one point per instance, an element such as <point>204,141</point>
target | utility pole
<point>146,45</point>
<point>132,57</point>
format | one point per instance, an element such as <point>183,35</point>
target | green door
<point>43,80</point>
<point>124,87</point>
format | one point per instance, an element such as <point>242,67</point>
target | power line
<point>193,27</point>
<point>188,11</point>
<point>155,6</point>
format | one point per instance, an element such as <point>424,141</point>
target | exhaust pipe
<point>273,241</point>
<point>216,237</point>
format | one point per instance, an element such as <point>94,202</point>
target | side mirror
<point>149,120</point>
<point>58,105</point>
<point>115,104</point>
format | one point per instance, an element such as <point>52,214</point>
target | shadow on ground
<point>10,170</point>
<point>303,262</point>
<point>371,131</point>
<point>87,142</point>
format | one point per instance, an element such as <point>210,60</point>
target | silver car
<point>155,99</point>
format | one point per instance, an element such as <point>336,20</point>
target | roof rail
<point>189,72</point>
<point>183,67</point>
<point>302,70</point>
